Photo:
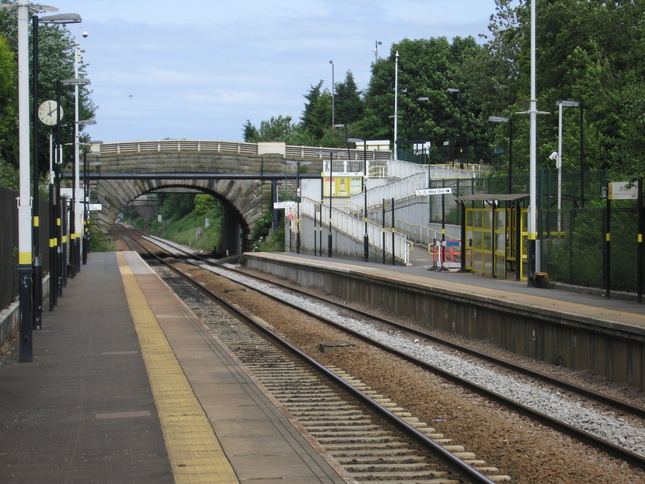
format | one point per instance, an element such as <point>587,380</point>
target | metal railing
<point>354,227</point>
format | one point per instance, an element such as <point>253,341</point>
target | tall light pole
<point>73,219</point>
<point>25,271</point>
<point>561,104</point>
<point>461,111</point>
<point>86,195</point>
<point>533,263</point>
<point>58,19</point>
<point>366,239</point>
<point>500,119</point>
<point>333,89</point>
<point>77,177</point>
<point>396,104</point>
<point>376,44</point>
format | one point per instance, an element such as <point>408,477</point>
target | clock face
<point>48,113</point>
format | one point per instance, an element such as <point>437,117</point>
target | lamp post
<point>376,44</point>
<point>561,104</point>
<point>25,270</point>
<point>59,19</point>
<point>85,237</point>
<point>74,224</point>
<point>461,140</point>
<point>333,89</point>
<point>499,119</point>
<point>366,240</point>
<point>396,104</point>
<point>85,215</point>
<point>533,263</point>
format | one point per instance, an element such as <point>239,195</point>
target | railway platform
<point>579,330</point>
<point>127,385</point>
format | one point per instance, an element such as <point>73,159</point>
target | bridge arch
<point>245,176</point>
<point>239,199</point>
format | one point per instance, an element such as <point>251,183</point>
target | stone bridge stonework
<point>244,200</point>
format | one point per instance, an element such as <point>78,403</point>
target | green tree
<point>590,52</point>
<point>280,128</point>
<point>56,62</point>
<point>174,206</point>
<point>349,106</point>
<point>204,203</point>
<point>427,68</point>
<point>316,118</point>
<point>8,105</point>
<point>250,132</point>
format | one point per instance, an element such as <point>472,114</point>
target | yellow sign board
<point>342,186</point>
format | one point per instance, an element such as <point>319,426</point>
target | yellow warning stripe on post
<point>195,453</point>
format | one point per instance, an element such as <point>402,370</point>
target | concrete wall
<point>10,316</point>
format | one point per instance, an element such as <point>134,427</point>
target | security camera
<point>553,156</point>
<point>85,34</point>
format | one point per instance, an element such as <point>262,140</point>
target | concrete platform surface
<point>127,385</point>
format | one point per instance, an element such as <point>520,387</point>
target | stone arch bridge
<point>243,176</point>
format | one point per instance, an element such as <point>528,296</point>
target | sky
<point>200,69</point>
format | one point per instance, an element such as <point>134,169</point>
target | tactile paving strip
<point>195,453</point>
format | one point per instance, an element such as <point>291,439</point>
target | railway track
<point>616,451</point>
<point>373,438</point>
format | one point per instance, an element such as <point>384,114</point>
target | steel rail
<point>471,472</point>
<point>613,450</point>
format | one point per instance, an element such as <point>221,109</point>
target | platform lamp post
<point>25,269</point>
<point>74,225</point>
<point>85,237</point>
<point>46,117</point>
<point>366,239</point>
<point>500,119</point>
<point>77,171</point>
<point>461,125</point>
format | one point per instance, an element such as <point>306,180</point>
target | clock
<point>48,113</point>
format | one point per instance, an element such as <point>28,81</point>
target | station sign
<point>623,191</point>
<point>282,205</point>
<point>433,191</point>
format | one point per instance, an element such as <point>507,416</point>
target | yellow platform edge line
<point>195,453</point>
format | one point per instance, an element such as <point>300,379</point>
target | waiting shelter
<point>494,234</point>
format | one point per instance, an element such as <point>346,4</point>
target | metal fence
<point>578,255</point>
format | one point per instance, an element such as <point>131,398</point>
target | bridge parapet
<point>242,148</point>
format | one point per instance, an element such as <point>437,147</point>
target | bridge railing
<point>179,145</point>
<point>307,152</point>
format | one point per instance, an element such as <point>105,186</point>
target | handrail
<point>354,227</point>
